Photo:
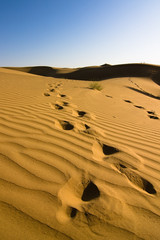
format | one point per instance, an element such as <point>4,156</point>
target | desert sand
<point>77,163</point>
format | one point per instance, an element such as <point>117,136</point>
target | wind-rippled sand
<point>77,163</point>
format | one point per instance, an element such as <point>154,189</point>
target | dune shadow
<point>156,78</point>
<point>143,92</point>
<point>96,73</point>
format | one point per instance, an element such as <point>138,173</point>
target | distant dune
<point>97,73</point>
<point>77,163</point>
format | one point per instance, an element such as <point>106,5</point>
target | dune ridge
<point>75,163</point>
<point>97,73</point>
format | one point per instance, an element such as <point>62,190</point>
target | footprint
<point>81,113</point>
<point>86,126</point>
<point>108,150</point>
<point>139,107</point>
<point>52,90</point>
<point>101,151</point>
<point>56,106</point>
<point>63,95</point>
<point>114,154</point>
<point>46,94</point>
<point>66,125</point>
<point>65,104</point>
<point>69,196</point>
<point>136,179</point>
<point>79,127</point>
<point>96,132</point>
<point>153,117</point>
<point>59,107</point>
<point>122,166</point>
<point>75,196</point>
<point>73,212</point>
<point>128,101</point>
<point>90,192</point>
<point>151,112</point>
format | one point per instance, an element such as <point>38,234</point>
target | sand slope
<point>78,163</point>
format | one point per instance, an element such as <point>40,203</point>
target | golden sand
<point>77,163</point>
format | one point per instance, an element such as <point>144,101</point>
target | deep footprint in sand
<point>70,200</point>
<point>90,192</point>
<point>136,179</point>
<point>73,212</point>
<point>63,95</point>
<point>101,151</point>
<point>153,117</point>
<point>66,125</point>
<point>86,126</point>
<point>73,196</point>
<point>108,150</point>
<point>151,112</point>
<point>113,153</point>
<point>81,113</point>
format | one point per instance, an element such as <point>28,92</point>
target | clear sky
<point>72,33</point>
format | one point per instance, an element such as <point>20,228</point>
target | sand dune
<point>97,73</point>
<point>78,163</point>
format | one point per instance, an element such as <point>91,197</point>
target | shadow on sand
<point>144,93</point>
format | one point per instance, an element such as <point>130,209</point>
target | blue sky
<point>73,33</point>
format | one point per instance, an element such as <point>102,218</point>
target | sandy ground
<point>77,163</point>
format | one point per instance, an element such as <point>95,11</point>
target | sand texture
<point>78,163</point>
